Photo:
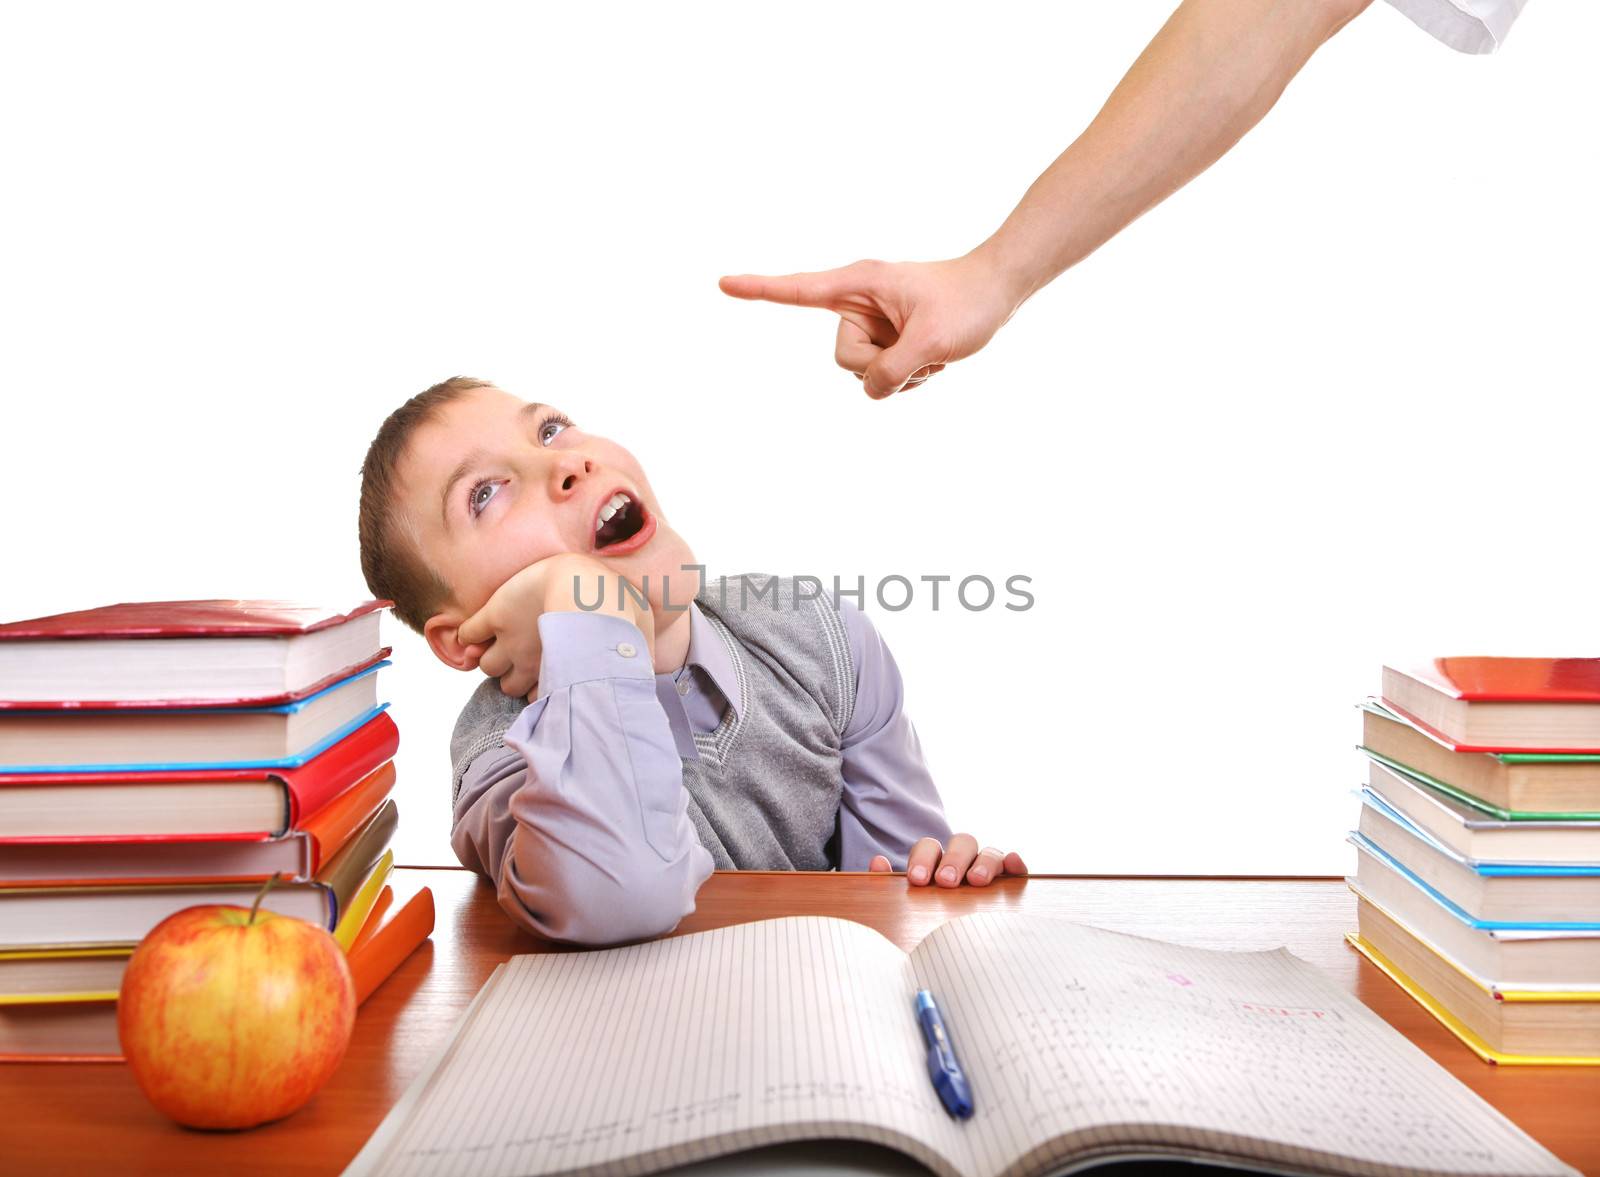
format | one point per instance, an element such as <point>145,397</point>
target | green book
<point>1512,786</point>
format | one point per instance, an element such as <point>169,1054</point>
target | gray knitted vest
<point>764,794</point>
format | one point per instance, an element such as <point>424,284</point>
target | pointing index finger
<point>800,290</point>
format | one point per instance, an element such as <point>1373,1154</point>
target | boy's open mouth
<point>621,519</point>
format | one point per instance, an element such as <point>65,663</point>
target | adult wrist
<point>1012,271</point>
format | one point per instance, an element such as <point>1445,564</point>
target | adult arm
<point>1211,73</point>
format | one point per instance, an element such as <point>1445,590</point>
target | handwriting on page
<point>586,1058</point>
<point>1064,1026</point>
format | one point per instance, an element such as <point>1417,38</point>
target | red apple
<point>231,1016</point>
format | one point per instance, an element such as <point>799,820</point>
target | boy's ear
<point>440,632</point>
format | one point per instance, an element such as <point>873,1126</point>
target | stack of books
<point>1478,851</point>
<point>163,755</point>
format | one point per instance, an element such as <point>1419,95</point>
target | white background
<point>1334,404</point>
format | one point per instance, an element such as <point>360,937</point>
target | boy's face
<point>496,484</point>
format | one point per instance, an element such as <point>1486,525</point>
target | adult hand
<point>902,322</point>
<point>502,637</point>
<point>899,322</point>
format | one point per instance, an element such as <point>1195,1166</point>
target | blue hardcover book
<point>1477,865</point>
<point>1375,858</point>
<point>175,739</point>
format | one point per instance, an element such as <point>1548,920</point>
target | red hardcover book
<point>1484,704</point>
<point>1513,680</point>
<point>211,653</point>
<point>288,794</point>
<point>152,619</point>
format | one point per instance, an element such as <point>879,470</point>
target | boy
<point>636,739</point>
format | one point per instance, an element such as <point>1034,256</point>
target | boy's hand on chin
<point>503,636</point>
<point>929,862</point>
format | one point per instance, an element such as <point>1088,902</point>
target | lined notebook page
<point>584,1059</point>
<point>1066,1031</point>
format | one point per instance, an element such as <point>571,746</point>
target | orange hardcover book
<point>380,908</point>
<point>331,826</point>
<point>382,949</point>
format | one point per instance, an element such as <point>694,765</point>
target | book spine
<point>374,918</point>
<point>348,923</point>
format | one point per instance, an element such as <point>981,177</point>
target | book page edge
<point>375,1150</point>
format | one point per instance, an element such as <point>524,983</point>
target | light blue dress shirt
<point>556,817</point>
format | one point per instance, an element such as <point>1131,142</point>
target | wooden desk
<point>92,1119</point>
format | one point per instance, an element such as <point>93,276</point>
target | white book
<point>1514,959</point>
<point>1081,1046</point>
<point>1472,834</point>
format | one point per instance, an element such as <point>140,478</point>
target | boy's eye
<point>552,425</point>
<point>476,499</point>
<point>479,494</point>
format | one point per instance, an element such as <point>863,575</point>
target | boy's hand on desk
<point>963,861</point>
<point>503,636</point>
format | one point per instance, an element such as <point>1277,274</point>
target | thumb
<point>819,289</point>
<point>888,374</point>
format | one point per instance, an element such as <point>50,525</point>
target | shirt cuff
<point>1470,26</point>
<point>579,647</point>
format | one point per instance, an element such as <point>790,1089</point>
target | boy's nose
<point>567,472</point>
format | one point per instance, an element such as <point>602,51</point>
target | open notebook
<point>1080,1045</point>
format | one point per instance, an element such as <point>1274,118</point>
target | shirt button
<point>626,649</point>
<point>683,686</point>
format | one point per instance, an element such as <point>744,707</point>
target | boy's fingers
<point>495,662</point>
<point>923,858</point>
<point>475,630</point>
<point>989,864</point>
<point>879,863</point>
<point>518,683</point>
<point>958,856</point>
<point>1015,865</point>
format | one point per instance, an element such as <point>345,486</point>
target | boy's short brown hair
<point>391,559</point>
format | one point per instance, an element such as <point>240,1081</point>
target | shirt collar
<point>709,651</point>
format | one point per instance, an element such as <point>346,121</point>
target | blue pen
<point>943,1069</point>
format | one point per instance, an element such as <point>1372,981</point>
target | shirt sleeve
<point>889,799</point>
<point>1472,26</point>
<point>581,818</point>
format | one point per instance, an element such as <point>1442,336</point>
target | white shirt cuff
<point>1471,26</point>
